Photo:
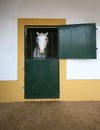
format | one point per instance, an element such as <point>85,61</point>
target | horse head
<point>42,40</point>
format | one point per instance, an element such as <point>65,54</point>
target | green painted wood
<point>41,78</point>
<point>77,41</point>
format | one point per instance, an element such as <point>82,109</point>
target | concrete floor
<point>50,116</point>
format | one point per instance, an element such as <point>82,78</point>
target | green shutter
<point>41,78</point>
<point>77,41</point>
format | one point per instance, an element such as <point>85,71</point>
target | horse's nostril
<point>42,51</point>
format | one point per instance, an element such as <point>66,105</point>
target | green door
<point>77,41</point>
<point>41,78</point>
<point>41,74</point>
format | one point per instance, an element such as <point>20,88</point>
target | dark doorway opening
<point>30,40</point>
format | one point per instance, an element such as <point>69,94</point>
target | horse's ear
<point>46,33</point>
<point>37,33</point>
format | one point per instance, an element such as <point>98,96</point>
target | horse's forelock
<point>43,34</point>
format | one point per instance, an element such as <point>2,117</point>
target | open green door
<point>77,41</point>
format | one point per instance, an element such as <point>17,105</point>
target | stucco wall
<point>74,12</point>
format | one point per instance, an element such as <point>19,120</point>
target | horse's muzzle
<point>41,51</point>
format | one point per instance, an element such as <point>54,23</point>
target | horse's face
<point>42,41</point>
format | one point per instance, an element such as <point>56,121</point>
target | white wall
<point>77,11</point>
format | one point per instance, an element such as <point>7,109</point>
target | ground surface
<point>50,116</point>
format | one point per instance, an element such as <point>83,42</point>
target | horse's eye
<point>37,39</point>
<point>46,39</point>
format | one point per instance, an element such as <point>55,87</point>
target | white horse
<point>41,42</point>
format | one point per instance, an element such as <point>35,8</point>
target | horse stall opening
<point>30,39</point>
<point>41,70</point>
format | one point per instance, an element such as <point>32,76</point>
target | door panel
<point>42,78</point>
<point>77,41</point>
